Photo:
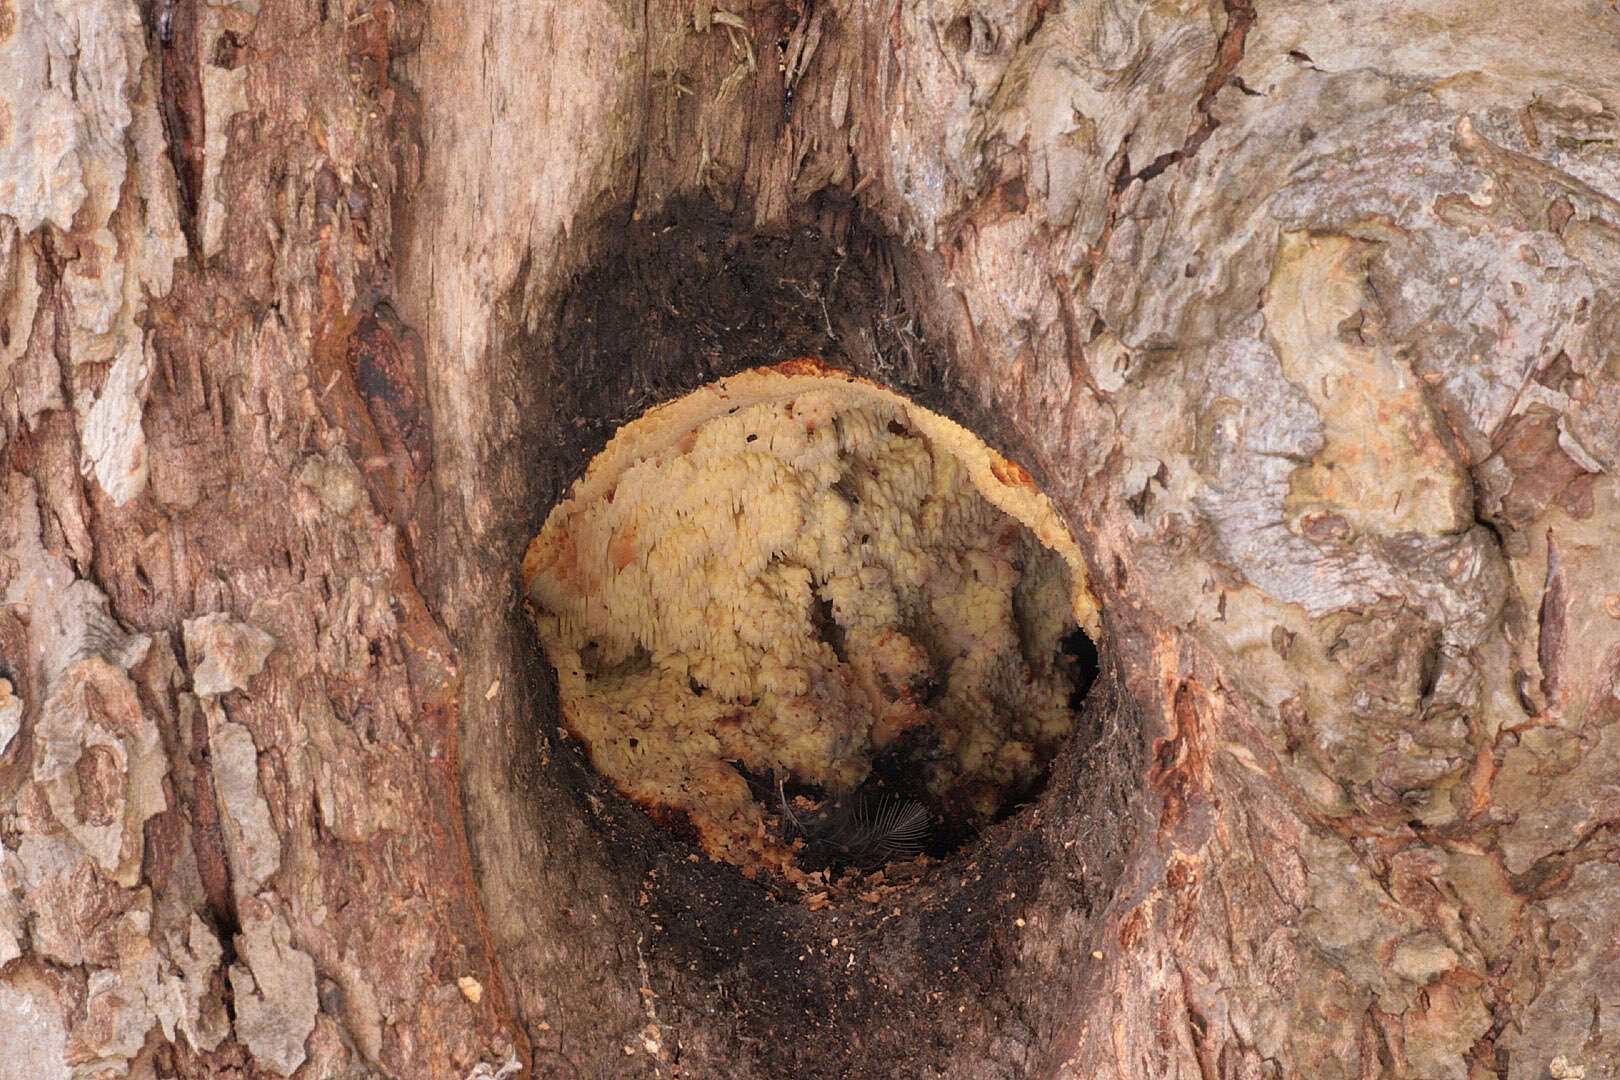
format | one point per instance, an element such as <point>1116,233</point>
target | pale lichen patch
<point>791,573</point>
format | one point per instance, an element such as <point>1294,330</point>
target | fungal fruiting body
<point>791,573</point>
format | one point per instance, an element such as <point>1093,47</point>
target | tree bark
<point>1304,315</point>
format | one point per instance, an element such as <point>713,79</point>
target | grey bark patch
<point>225,653</point>
<point>251,842</point>
<point>100,761</point>
<point>33,1036</point>
<point>186,1005</point>
<point>275,990</point>
<point>11,712</point>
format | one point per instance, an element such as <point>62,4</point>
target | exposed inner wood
<point>678,588</point>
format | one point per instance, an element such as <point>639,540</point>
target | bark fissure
<point>1240,17</point>
<point>174,32</point>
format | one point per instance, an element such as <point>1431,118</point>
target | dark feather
<point>862,828</point>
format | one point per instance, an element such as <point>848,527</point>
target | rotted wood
<point>1304,316</point>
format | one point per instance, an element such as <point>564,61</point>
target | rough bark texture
<point>1305,314</point>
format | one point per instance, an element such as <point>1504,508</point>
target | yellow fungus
<point>796,570</point>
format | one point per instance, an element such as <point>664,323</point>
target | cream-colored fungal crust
<point>796,570</point>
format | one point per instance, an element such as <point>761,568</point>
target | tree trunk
<point>1304,315</point>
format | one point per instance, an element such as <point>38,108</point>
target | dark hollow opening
<point>673,304</point>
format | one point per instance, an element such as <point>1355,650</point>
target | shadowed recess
<point>811,623</point>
